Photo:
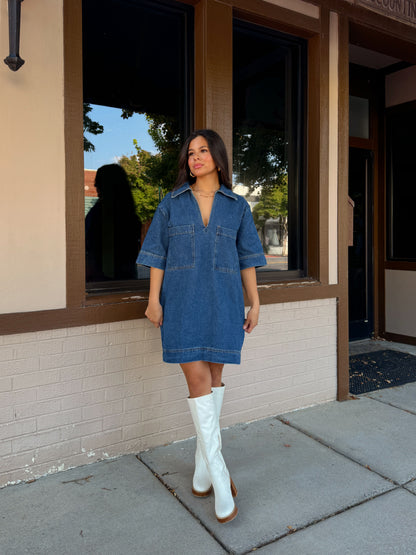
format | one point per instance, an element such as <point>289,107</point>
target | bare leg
<point>216,374</point>
<point>198,378</point>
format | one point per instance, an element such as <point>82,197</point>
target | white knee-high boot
<point>201,482</point>
<point>206,424</point>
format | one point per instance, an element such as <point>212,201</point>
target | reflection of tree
<point>150,175</point>
<point>259,157</point>
<point>90,126</point>
<point>146,195</point>
<point>260,161</point>
<point>273,205</point>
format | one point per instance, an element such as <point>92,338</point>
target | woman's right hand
<point>154,312</point>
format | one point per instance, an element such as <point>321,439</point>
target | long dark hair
<point>218,152</point>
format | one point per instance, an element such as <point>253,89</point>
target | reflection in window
<point>135,120</point>
<point>359,117</point>
<point>267,138</point>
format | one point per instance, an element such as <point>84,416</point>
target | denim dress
<point>202,293</point>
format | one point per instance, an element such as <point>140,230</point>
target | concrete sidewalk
<point>338,478</point>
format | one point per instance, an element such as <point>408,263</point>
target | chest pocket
<point>181,251</point>
<point>225,251</point>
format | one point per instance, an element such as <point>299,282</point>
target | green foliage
<point>146,195</point>
<point>273,204</point>
<point>259,157</point>
<point>90,126</point>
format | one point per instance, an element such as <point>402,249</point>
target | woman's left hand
<point>252,319</point>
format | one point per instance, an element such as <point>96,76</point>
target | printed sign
<point>404,10</point>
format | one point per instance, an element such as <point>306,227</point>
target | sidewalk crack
<point>346,456</point>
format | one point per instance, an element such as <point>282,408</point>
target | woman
<point>202,247</point>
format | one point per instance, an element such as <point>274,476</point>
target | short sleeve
<point>249,247</point>
<point>155,245</point>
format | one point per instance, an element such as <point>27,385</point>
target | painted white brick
<point>51,334</point>
<point>162,383</point>
<point>35,379</point>
<point>80,430</point>
<point>28,410</point>
<point>15,429</point>
<point>103,381</point>
<point>102,440</point>
<point>141,401</point>
<point>5,448</point>
<point>6,415</point>
<point>126,336</point>
<point>51,347</point>
<point>5,384</point>
<point>6,353</point>
<point>126,363</point>
<point>123,391</point>
<point>164,409</point>
<point>121,420</point>
<point>59,389</point>
<point>54,453</point>
<point>59,419</point>
<point>154,358</point>
<point>33,441</point>
<point>83,399</point>
<point>105,353</point>
<point>104,409</point>
<point>140,429</point>
<point>12,398</point>
<point>74,343</point>
<point>61,360</point>
<point>13,367</point>
<point>82,371</point>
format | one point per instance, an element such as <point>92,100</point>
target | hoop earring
<point>191,174</point>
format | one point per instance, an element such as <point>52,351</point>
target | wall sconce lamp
<point>13,60</point>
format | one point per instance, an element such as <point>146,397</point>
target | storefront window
<point>268,136</point>
<point>137,59</point>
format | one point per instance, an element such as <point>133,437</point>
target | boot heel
<point>228,518</point>
<point>202,493</point>
<point>233,489</point>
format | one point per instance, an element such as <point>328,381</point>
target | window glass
<point>268,114</point>
<point>401,191</point>
<point>359,117</point>
<point>137,105</point>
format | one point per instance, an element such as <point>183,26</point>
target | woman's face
<point>200,160</point>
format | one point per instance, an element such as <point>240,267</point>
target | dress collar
<point>223,189</point>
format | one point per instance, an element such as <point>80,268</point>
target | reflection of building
<point>275,236</point>
<point>81,373</point>
<point>90,192</point>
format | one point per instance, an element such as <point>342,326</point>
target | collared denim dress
<point>202,293</point>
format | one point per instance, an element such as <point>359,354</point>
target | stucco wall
<point>401,302</point>
<point>73,396</point>
<point>32,179</point>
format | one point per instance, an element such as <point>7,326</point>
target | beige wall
<point>401,302</point>
<point>299,6</point>
<point>73,396</point>
<point>32,179</point>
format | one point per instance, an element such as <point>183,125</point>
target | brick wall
<point>73,396</point>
